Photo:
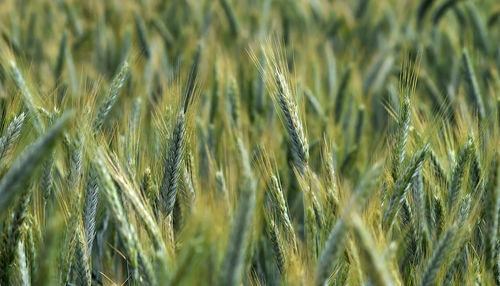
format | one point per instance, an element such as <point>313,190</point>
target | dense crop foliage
<point>270,142</point>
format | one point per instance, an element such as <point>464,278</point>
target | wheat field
<point>265,142</point>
